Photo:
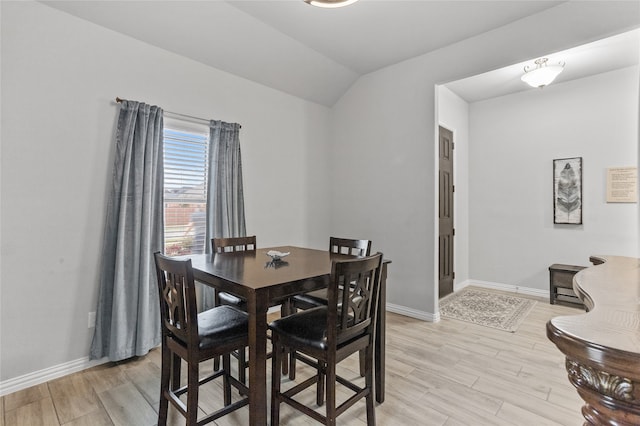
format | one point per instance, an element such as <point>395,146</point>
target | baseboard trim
<point>535,292</point>
<point>461,285</point>
<point>430,317</point>
<point>413,313</point>
<point>57,371</point>
<point>51,373</point>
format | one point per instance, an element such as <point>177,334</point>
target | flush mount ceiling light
<point>542,74</point>
<point>330,3</point>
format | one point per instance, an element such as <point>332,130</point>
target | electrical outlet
<point>92,319</point>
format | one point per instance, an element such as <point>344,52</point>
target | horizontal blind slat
<point>185,191</point>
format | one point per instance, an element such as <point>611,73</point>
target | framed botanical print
<point>567,190</point>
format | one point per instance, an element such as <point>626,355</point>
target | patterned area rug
<point>487,308</point>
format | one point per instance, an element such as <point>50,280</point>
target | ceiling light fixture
<point>330,3</point>
<point>543,74</point>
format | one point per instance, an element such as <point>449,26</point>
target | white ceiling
<point>620,51</point>
<point>315,53</point>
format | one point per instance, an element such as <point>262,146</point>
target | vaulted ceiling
<point>309,52</point>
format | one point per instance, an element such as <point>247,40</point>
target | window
<point>185,187</point>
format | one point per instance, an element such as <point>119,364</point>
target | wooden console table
<point>561,284</point>
<point>602,346</point>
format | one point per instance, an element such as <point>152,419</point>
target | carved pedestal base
<point>603,346</point>
<point>603,416</point>
<point>610,399</point>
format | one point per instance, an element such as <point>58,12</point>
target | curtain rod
<point>190,117</point>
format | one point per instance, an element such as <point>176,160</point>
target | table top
<point>255,270</point>
<point>611,328</point>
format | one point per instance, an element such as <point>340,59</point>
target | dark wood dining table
<point>253,276</point>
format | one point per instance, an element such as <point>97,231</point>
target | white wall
<point>364,169</point>
<point>453,114</point>
<point>384,139</point>
<point>60,76</point>
<point>513,141</point>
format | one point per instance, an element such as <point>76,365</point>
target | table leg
<point>379,354</point>
<point>257,360</point>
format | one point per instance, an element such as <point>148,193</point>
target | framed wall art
<point>567,191</point>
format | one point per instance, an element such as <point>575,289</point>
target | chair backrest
<point>221,245</point>
<point>358,300</point>
<point>348,246</point>
<point>177,298</point>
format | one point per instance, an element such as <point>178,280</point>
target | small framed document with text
<point>622,185</point>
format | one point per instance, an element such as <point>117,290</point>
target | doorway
<point>446,231</point>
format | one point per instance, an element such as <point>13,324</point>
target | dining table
<point>263,282</point>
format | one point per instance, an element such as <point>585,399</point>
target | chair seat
<point>231,300</point>
<point>221,325</point>
<point>311,299</point>
<point>307,328</point>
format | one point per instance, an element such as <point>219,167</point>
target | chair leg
<point>192,392</point>
<point>371,413</point>
<point>226,365</point>
<point>330,377</point>
<point>363,369</point>
<point>289,362</point>
<point>276,365</point>
<point>285,366</point>
<point>216,302</point>
<point>292,364</point>
<point>322,379</point>
<point>165,377</point>
<point>242,366</point>
<point>285,311</point>
<point>176,364</point>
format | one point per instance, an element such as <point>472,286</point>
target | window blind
<point>185,191</point>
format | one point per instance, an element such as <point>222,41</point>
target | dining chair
<point>317,298</point>
<point>328,334</point>
<point>194,338</point>
<point>230,245</point>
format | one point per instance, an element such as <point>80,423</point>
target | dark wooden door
<point>445,215</point>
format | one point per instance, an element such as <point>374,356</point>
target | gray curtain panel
<point>128,318</point>
<point>225,200</point>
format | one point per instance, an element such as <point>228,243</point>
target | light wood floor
<point>448,373</point>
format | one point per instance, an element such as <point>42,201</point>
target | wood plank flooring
<point>448,373</point>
